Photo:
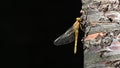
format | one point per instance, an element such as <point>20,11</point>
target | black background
<point>28,29</point>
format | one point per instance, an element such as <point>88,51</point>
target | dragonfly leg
<point>80,27</point>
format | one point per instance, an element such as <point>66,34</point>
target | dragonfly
<point>70,35</point>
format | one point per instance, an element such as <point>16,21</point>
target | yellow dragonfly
<point>70,35</point>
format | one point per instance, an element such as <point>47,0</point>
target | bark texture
<point>101,23</point>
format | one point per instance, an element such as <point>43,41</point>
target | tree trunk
<point>101,22</point>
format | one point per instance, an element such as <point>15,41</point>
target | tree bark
<point>101,22</point>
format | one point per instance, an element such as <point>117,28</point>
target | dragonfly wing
<point>65,38</point>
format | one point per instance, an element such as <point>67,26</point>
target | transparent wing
<point>65,38</point>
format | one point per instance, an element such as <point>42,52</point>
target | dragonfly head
<point>78,19</point>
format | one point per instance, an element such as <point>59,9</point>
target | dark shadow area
<point>29,29</point>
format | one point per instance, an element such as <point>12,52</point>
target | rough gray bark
<point>103,51</point>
